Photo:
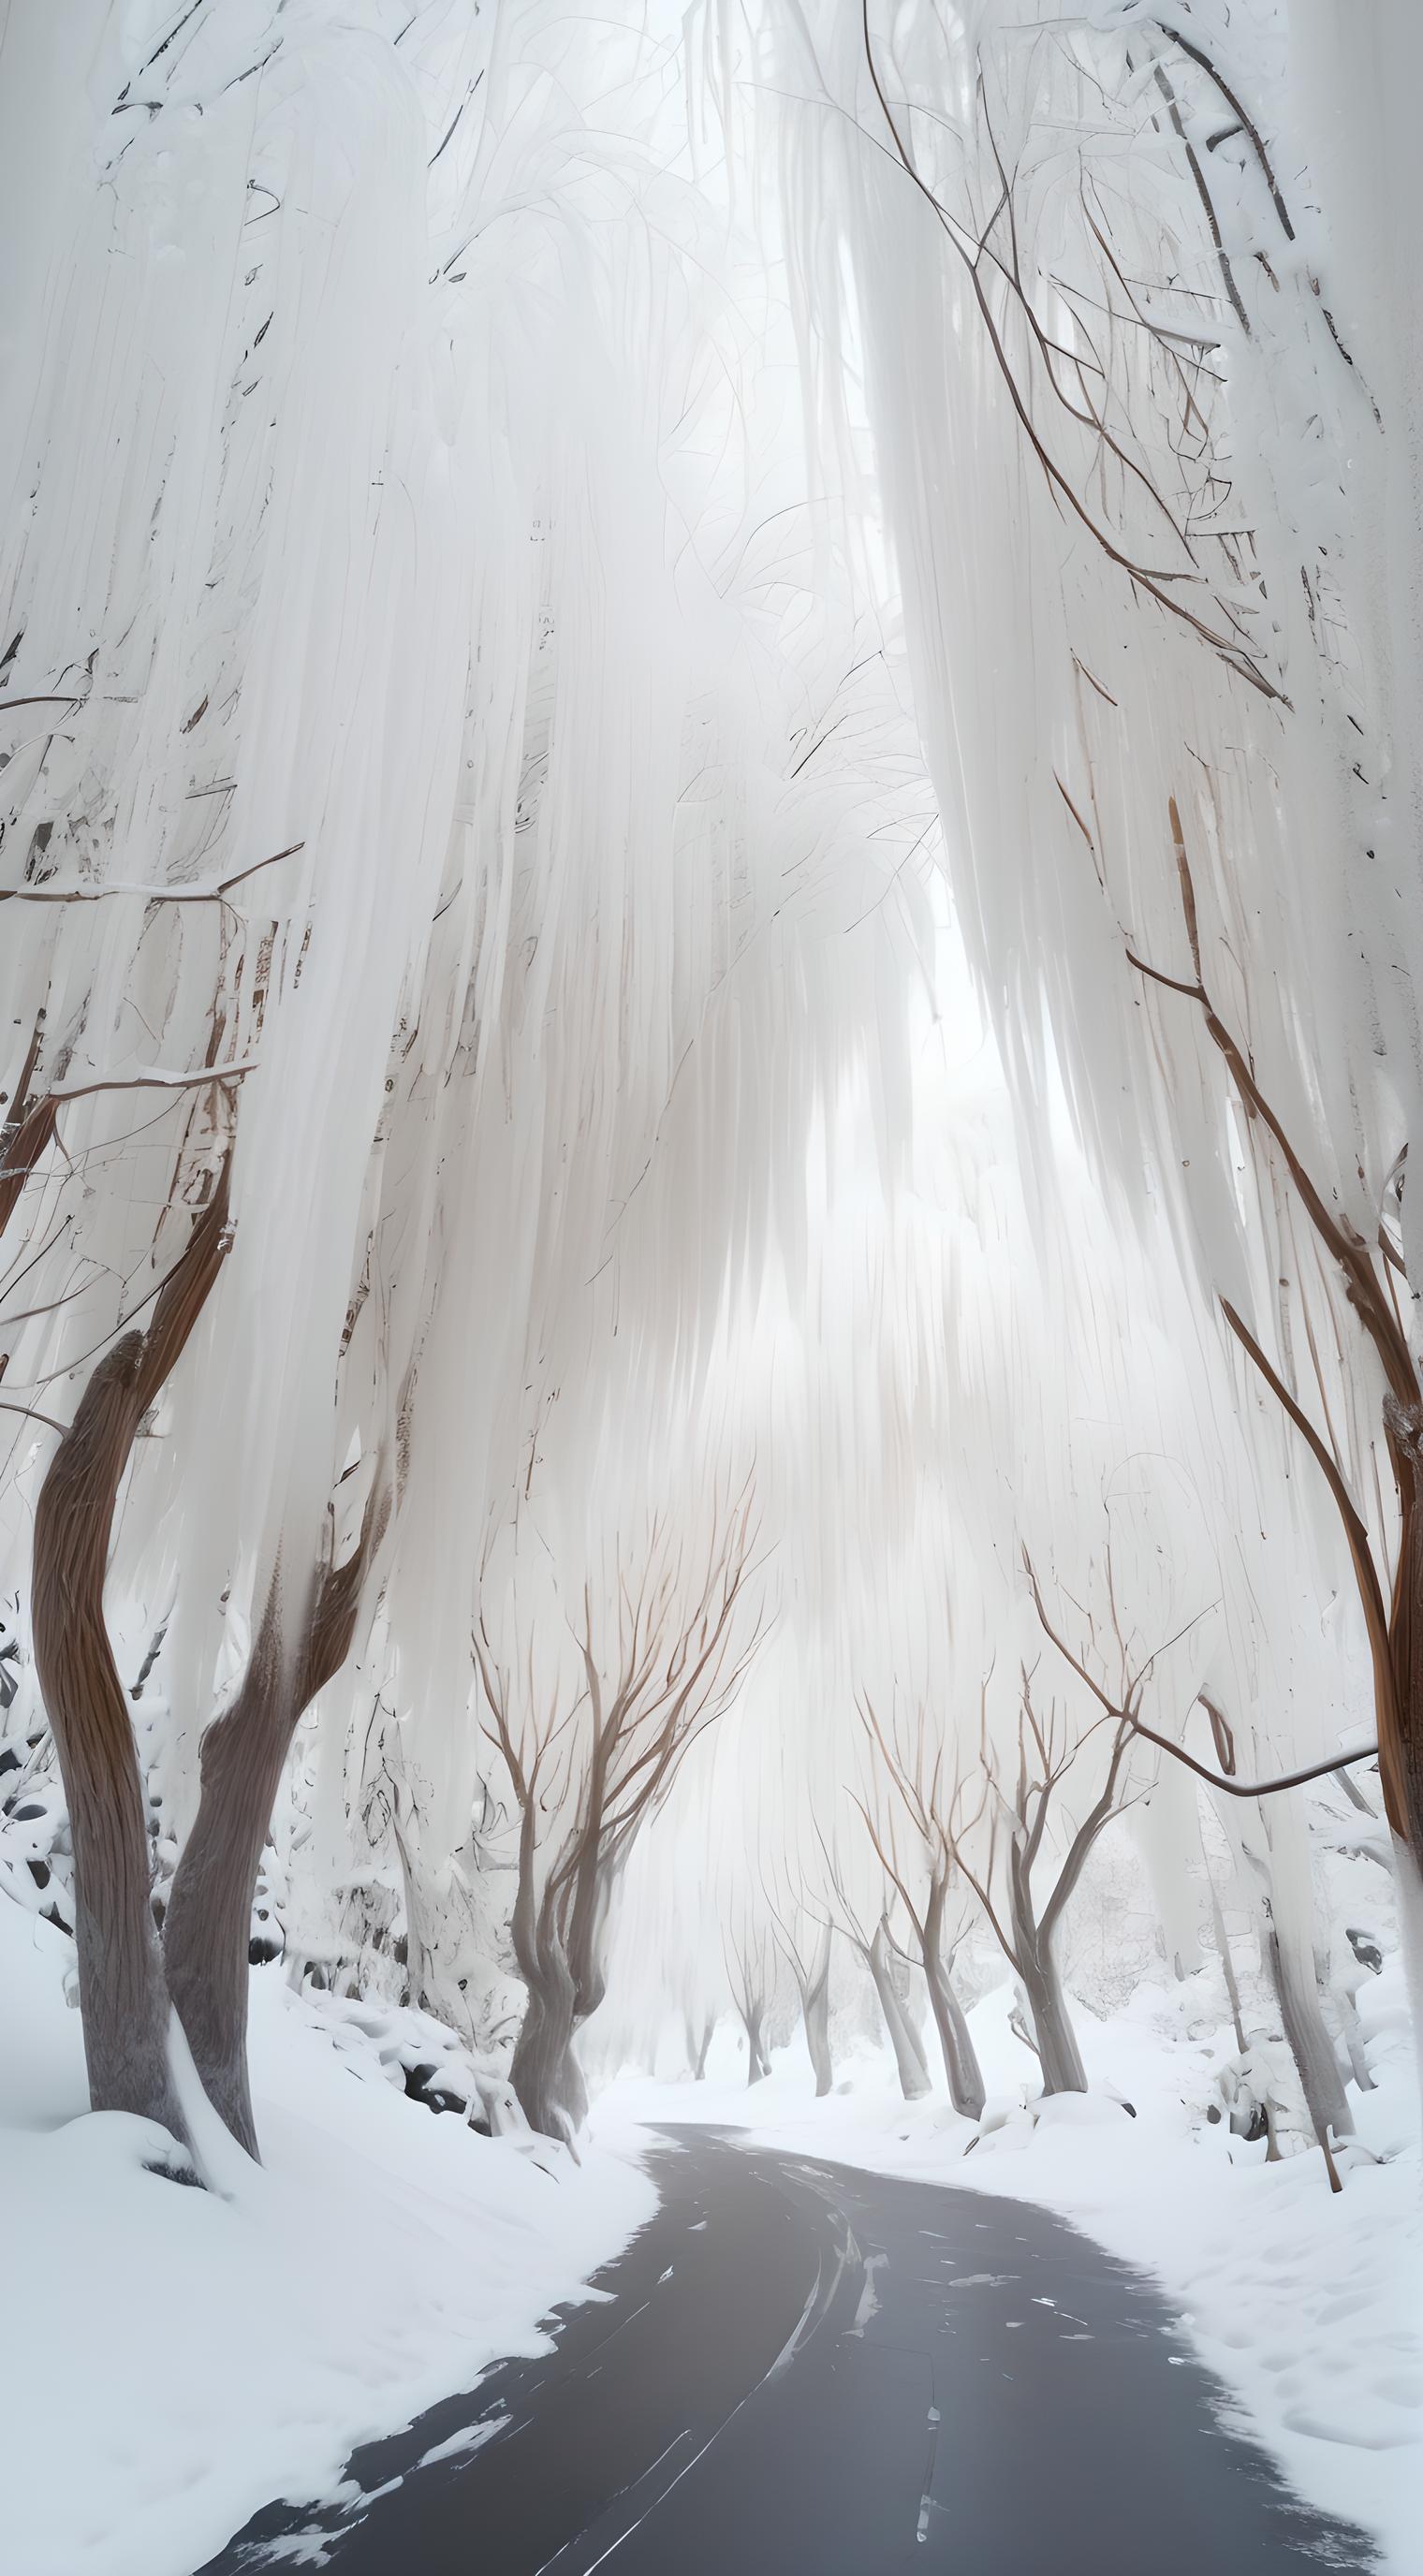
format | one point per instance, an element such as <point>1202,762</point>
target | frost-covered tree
<point>916,1801</point>
<point>1022,1854</point>
<point>340,774</point>
<point>704,758</point>
<point>659,1644</point>
<point>750,1950</point>
<point>1118,287</point>
<point>858,1908</point>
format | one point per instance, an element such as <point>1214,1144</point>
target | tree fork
<point>544,2069</point>
<point>962,2071</point>
<point>1058,2052</point>
<point>1396,1629</point>
<point>814,1984</point>
<point>206,1930</point>
<point>910,2061</point>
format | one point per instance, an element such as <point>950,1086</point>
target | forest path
<point>803,2370</point>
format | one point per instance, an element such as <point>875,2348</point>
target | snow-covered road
<point>799,2370</point>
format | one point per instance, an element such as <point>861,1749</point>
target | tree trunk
<point>961,2068</point>
<point>758,2064</point>
<point>697,2048</point>
<point>815,2014</point>
<point>122,1995</point>
<point>544,2070</point>
<point>1353,2034</point>
<point>909,2058</point>
<point>1308,2035</point>
<point>206,1930</point>
<point>814,1986</point>
<point>1400,1731</point>
<point>1058,2052</point>
<point>1222,1941</point>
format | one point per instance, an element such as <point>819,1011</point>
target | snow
<point>175,2358</point>
<point>1306,2306</point>
<point>700,827</point>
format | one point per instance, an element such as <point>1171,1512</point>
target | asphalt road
<point>808,2371</point>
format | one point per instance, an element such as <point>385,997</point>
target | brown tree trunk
<point>1058,2052</point>
<point>1060,2056</point>
<point>206,1929</point>
<point>962,2072</point>
<point>544,2070</point>
<point>122,1996</point>
<point>1400,1730</point>
<point>910,2062</point>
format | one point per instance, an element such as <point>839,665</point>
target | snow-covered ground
<point>1307,2306</point>
<point>173,2358</point>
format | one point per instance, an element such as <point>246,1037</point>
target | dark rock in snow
<point>421,2085</point>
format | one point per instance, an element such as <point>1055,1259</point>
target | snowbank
<point>1306,2306</point>
<point>175,2358</point>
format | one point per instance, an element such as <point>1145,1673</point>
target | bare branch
<point>1252,1788</point>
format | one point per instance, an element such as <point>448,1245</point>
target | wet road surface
<point>807,2371</point>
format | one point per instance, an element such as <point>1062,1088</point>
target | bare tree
<point>1286,1948</point>
<point>1120,422</point>
<point>1023,1815</point>
<point>1373,1277</point>
<point>876,1948</point>
<point>1296,1989</point>
<point>749,1948</point>
<point>1296,1986</point>
<point>676,1656</point>
<point>917,1786</point>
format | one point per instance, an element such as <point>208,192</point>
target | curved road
<point>801,2370</point>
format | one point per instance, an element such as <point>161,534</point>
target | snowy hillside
<point>220,2348</point>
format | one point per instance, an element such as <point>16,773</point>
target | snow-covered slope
<point>174,2358</point>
